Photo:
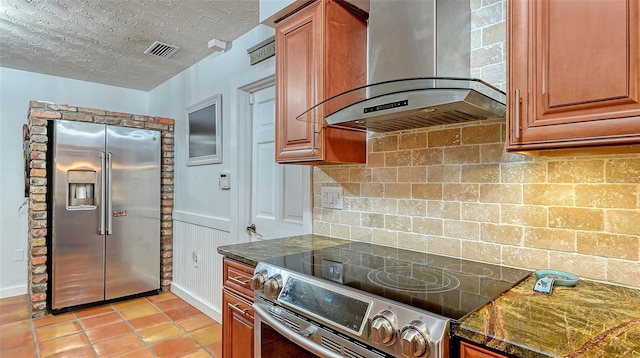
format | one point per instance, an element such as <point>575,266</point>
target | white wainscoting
<point>200,286</point>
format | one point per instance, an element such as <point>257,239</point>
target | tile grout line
<point>185,332</point>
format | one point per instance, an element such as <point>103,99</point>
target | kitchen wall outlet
<point>195,255</point>
<point>18,255</point>
<point>331,197</point>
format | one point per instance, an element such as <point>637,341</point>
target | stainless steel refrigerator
<point>105,219</point>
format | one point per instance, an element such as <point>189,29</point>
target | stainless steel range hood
<point>419,71</point>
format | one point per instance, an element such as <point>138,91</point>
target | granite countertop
<point>589,320</point>
<point>253,252</point>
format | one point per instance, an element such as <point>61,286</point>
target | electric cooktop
<point>443,285</point>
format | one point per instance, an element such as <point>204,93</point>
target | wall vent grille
<point>161,49</point>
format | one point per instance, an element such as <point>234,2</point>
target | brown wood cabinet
<point>237,314</point>
<point>321,51</point>
<point>573,74</point>
<point>470,351</point>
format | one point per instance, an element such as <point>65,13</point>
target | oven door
<point>274,339</point>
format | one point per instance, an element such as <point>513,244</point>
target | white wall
<point>200,207</point>
<point>199,204</point>
<point>17,88</point>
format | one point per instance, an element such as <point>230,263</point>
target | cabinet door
<point>573,74</point>
<point>470,351</point>
<point>298,84</point>
<point>237,325</point>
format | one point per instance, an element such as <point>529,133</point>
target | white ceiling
<point>104,41</point>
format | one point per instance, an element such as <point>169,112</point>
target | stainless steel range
<point>364,300</point>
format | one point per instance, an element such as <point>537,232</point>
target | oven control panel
<point>365,319</point>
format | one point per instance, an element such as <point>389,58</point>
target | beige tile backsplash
<point>455,191</point>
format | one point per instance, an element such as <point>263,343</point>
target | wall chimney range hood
<point>419,72</point>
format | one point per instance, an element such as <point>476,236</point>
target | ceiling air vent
<point>161,49</point>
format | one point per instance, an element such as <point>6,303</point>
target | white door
<point>280,194</point>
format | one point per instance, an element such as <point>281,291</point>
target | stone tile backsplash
<point>455,191</point>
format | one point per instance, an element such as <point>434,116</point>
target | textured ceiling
<point>104,41</point>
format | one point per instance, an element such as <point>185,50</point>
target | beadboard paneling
<point>201,286</point>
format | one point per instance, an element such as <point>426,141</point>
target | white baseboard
<point>204,307</point>
<point>13,291</point>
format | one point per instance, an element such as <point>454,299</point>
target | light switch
<point>331,197</point>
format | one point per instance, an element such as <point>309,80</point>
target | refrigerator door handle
<point>103,174</point>
<point>109,202</point>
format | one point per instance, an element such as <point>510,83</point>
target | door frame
<point>245,151</point>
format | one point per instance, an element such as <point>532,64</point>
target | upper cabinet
<point>321,51</point>
<point>573,74</point>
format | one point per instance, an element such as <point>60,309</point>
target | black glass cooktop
<point>447,286</point>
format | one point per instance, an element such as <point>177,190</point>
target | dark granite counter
<point>253,252</point>
<point>589,320</point>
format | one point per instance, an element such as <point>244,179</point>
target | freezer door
<point>77,248</point>
<point>133,215</point>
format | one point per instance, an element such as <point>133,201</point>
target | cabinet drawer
<point>237,277</point>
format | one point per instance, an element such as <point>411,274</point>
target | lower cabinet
<point>471,351</point>
<point>237,313</point>
<point>237,321</point>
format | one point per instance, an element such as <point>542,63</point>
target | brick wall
<point>38,116</point>
<point>455,191</point>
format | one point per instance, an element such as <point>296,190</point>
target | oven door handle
<point>298,338</point>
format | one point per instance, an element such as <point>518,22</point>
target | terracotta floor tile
<point>162,297</point>
<point>171,304</point>
<point>216,349</point>
<point>83,352</point>
<point>13,300</point>
<point>158,333</point>
<point>138,353</point>
<point>101,320</point>
<point>181,313</point>
<point>107,332</point>
<point>130,303</point>
<point>200,353</point>
<point>57,330</point>
<point>149,321</point>
<point>198,321</point>
<point>208,335</point>
<point>20,352</point>
<point>14,327</point>
<point>174,347</point>
<point>141,310</point>
<point>62,344</point>
<point>93,311</point>
<point>53,319</point>
<point>16,340</point>
<point>13,313</point>
<point>128,343</point>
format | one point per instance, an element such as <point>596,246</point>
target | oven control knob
<point>257,281</point>
<point>273,286</point>
<point>415,340</point>
<point>383,328</point>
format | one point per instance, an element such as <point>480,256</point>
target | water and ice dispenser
<point>81,189</point>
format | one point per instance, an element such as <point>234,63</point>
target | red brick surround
<point>39,115</point>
